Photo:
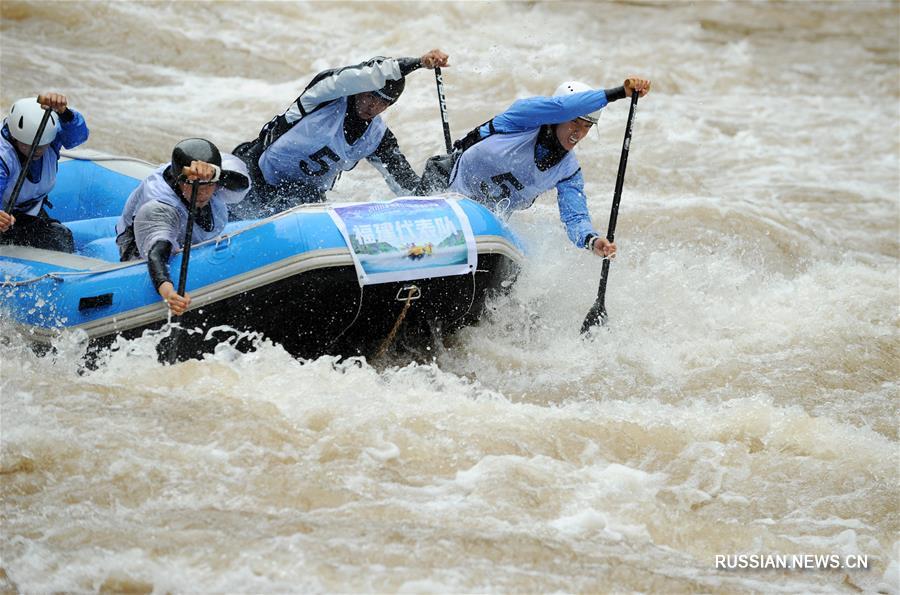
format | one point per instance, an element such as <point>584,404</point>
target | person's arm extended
<point>533,112</point>
<point>350,80</point>
<point>330,85</point>
<point>73,129</point>
<point>360,78</point>
<point>390,161</point>
<point>573,211</point>
<point>158,263</point>
<point>234,180</point>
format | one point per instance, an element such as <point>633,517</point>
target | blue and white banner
<point>407,238</point>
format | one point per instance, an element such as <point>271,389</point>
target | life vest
<point>33,194</point>
<point>314,151</point>
<point>155,187</point>
<point>500,171</point>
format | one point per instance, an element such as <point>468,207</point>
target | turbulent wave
<point>742,401</point>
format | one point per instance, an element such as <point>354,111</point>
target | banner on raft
<point>406,239</point>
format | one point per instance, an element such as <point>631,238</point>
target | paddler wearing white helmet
<point>510,160</point>
<point>24,219</point>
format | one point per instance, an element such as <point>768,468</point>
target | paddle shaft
<point>172,354</point>
<point>442,101</point>
<point>21,180</point>
<point>598,310</point>
<point>188,235</point>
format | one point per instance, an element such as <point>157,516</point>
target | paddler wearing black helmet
<point>156,215</point>
<point>330,127</point>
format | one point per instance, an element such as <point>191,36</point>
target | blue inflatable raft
<point>326,278</point>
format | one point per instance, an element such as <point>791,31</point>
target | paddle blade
<point>597,315</point>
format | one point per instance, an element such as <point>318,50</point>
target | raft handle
<point>95,301</point>
<point>408,293</point>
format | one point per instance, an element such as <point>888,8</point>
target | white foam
<point>742,400</point>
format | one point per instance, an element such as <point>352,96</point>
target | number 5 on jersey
<point>319,157</point>
<point>500,180</point>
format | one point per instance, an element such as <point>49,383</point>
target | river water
<point>742,402</point>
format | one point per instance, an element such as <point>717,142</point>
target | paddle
<point>185,260</point>
<point>598,310</point>
<point>34,145</point>
<point>442,101</point>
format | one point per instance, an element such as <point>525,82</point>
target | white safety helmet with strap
<point>570,87</point>
<point>24,119</point>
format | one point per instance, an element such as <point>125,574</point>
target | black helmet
<point>391,90</point>
<point>194,149</point>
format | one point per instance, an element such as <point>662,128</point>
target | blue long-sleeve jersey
<point>71,132</point>
<point>534,112</point>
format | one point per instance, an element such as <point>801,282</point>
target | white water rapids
<point>743,402</point>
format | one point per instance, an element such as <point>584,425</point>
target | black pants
<point>265,199</point>
<point>39,232</point>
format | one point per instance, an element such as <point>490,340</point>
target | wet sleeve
<point>156,222</point>
<point>390,161</point>
<point>234,181</point>
<point>350,80</point>
<point>527,114</point>
<point>158,263</point>
<point>573,211</point>
<point>73,130</point>
<point>615,94</point>
<point>408,65</point>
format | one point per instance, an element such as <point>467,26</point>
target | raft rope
<point>54,276</point>
<point>390,338</point>
<point>471,299</point>
<point>352,322</point>
<point>84,157</point>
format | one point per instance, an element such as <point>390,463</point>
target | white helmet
<point>24,119</point>
<point>570,87</point>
